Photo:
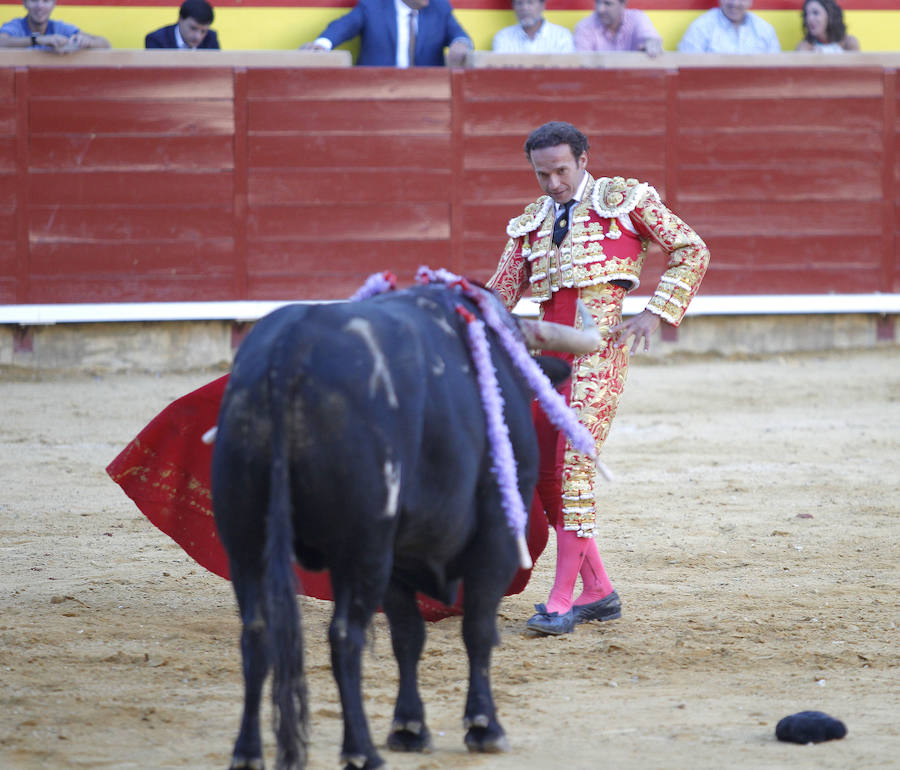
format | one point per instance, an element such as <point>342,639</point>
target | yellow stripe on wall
<point>238,28</point>
<point>876,30</point>
<point>288,28</point>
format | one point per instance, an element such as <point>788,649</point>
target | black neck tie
<point>561,225</point>
<point>412,38</point>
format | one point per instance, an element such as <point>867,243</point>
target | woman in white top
<point>823,28</point>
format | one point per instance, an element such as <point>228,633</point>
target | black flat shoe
<point>551,623</point>
<point>607,608</point>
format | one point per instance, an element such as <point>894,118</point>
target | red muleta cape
<point>165,470</point>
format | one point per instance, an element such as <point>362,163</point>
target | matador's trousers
<point>567,477</point>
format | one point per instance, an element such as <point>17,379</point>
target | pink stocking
<point>594,580</point>
<point>570,551</point>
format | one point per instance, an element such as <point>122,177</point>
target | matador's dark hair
<point>835,31</point>
<point>554,134</point>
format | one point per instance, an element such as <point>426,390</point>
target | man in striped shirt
<point>533,33</point>
<point>613,27</point>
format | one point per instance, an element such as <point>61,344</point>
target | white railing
<point>249,310</point>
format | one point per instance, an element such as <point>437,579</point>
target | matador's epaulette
<point>532,219</point>
<point>615,196</point>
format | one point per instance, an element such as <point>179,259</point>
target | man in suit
<point>192,30</point>
<point>399,33</point>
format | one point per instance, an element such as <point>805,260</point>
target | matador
<point>586,239</point>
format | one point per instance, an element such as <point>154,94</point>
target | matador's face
<point>558,171</point>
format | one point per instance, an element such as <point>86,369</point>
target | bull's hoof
<point>361,762</point>
<point>487,740</point>
<point>409,736</point>
<point>246,763</point>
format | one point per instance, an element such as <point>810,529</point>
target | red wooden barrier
<point>782,175</point>
<point>222,183</point>
<point>347,173</point>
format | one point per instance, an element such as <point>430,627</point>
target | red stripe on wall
<point>489,5</point>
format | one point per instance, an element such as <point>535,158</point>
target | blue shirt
<point>20,28</point>
<point>712,32</point>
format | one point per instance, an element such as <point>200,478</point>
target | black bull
<point>351,436</point>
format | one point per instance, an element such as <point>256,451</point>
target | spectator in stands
<point>533,33</point>
<point>730,28</point>
<point>38,30</point>
<point>823,28</point>
<point>613,27</point>
<point>191,32</point>
<point>399,33</point>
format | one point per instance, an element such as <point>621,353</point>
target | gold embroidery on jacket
<point>598,380</point>
<point>590,254</point>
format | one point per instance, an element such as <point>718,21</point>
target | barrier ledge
<point>249,310</point>
<point>115,312</point>
<point>477,59</point>
<point>140,57</point>
<point>673,60</point>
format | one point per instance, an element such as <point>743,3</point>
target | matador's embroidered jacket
<point>600,248</point>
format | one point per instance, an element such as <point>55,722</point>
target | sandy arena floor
<point>752,532</point>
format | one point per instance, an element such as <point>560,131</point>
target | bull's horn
<point>545,335</point>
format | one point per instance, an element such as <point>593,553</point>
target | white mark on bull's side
<point>444,325</point>
<point>380,372</point>
<point>339,626</point>
<point>392,482</point>
<point>257,622</point>
<point>438,367</point>
<point>427,304</point>
<point>437,313</point>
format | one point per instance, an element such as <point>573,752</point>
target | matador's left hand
<point>640,326</point>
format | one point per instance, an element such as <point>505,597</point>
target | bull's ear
<point>557,370</point>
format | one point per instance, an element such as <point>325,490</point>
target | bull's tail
<point>290,718</point>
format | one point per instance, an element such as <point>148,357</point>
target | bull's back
<point>351,383</point>
<point>386,433</point>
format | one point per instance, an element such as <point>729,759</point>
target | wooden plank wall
<point>12,230</point>
<point>782,173</point>
<point>624,114</point>
<point>890,264</point>
<point>168,184</point>
<point>130,185</point>
<point>347,173</point>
